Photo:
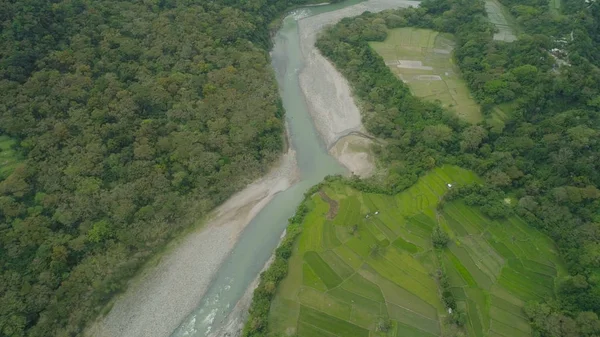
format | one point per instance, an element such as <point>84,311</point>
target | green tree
<point>437,134</point>
<point>472,138</point>
<point>439,238</point>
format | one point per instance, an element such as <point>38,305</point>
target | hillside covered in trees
<point>131,120</point>
<point>538,146</point>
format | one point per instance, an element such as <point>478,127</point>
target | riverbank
<point>328,94</point>
<point>159,299</point>
<point>235,321</point>
<point>354,152</point>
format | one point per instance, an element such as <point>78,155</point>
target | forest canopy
<point>132,119</point>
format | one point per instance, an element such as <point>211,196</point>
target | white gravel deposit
<point>353,151</point>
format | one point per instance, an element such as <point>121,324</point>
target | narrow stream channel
<point>262,235</point>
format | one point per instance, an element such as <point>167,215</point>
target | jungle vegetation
<point>124,122</point>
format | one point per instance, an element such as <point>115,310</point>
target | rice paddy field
<point>9,158</point>
<point>422,58</point>
<point>555,6</point>
<point>503,20</point>
<point>364,257</point>
<point>500,116</point>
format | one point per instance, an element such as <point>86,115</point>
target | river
<point>301,71</point>
<point>261,236</point>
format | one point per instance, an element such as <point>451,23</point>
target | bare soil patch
<point>333,205</point>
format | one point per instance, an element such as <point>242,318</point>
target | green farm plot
<point>508,330</point>
<point>311,279</point>
<point>501,303</point>
<point>320,301</point>
<point>409,331</point>
<point>330,324</point>
<point>474,319</point>
<point>287,311</point>
<point>412,319</point>
<point>330,239</point>
<point>357,301</point>
<point>479,301</point>
<point>312,237</point>
<point>305,329</point>
<point>9,158</point>
<point>508,318</point>
<point>500,265</point>
<point>337,264</point>
<point>405,245</point>
<point>348,212</point>
<point>501,115</point>
<point>349,256</point>
<point>365,318</point>
<point>323,271</point>
<point>374,260</point>
<point>390,234</point>
<point>394,294</point>
<point>502,19</point>
<point>555,6</point>
<point>422,58</point>
<point>363,287</point>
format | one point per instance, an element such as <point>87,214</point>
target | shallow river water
<point>261,236</point>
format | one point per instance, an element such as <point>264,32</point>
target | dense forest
<point>545,155</point>
<point>133,119</point>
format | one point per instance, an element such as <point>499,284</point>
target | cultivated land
<point>501,18</point>
<point>362,257</point>
<point>9,158</point>
<point>422,58</point>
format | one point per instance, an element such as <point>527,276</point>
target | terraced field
<point>503,20</point>
<point>497,266</point>
<point>555,6</point>
<point>371,259</point>
<point>422,58</point>
<point>9,158</point>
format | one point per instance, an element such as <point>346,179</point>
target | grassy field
<point>555,6</point>
<point>373,260</point>
<point>503,20</point>
<point>500,116</point>
<point>9,158</point>
<point>422,58</point>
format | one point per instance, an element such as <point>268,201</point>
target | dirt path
<point>159,299</point>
